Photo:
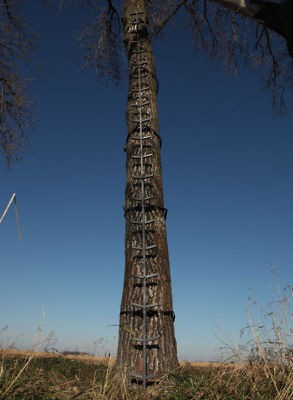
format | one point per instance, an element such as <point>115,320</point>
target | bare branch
<point>170,13</point>
<point>101,41</point>
<point>16,45</point>
<point>277,17</point>
<point>231,31</point>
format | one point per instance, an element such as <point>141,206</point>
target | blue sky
<point>228,174</point>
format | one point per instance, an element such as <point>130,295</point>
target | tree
<point>146,336</point>
<point>16,44</point>
<point>217,27</point>
<point>257,32</point>
<point>147,345</point>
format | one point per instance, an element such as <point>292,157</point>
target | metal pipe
<point>9,204</point>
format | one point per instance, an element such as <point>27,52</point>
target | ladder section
<point>142,179</point>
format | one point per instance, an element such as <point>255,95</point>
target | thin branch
<point>169,17</point>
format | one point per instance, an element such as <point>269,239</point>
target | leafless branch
<point>101,41</point>
<point>16,45</point>
<point>162,14</point>
<point>225,35</point>
<point>230,31</point>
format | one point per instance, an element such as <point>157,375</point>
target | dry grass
<point>17,353</point>
<point>44,376</point>
<point>261,370</point>
<point>208,364</point>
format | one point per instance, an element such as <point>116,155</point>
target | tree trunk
<point>147,344</point>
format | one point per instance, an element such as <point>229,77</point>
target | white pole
<point>10,201</point>
<point>13,197</point>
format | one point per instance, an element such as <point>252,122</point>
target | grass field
<point>17,353</point>
<point>45,376</point>
<point>261,370</point>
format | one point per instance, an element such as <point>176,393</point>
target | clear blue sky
<point>228,183</point>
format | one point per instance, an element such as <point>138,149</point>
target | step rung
<point>140,90</point>
<point>152,246</point>
<point>150,221</point>
<point>140,199</point>
<point>140,51</point>
<point>144,156</point>
<point>143,138</point>
<point>136,76</point>
<point>143,72</point>
<point>144,146</point>
<point>139,64</point>
<point>143,176</point>
<point>141,222</point>
<point>147,247</point>
<point>146,306</point>
<point>149,339</point>
<point>140,105</point>
<point>137,121</point>
<point>146,184</point>
<point>146,277</point>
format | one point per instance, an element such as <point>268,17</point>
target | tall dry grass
<point>260,369</point>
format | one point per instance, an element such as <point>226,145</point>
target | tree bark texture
<point>145,216</point>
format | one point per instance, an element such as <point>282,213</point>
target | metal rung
<point>140,199</point>
<point>149,339</point>
<point>147,247</point>
<point>140,90</point>
<point>136,75</point>
<point>145,277</point>
<point>143,138</point>
<point>145,156</point>
<point>146,306</point>
<point>139,72</point>
<point>138,121</point>
<point>140,105</point>
<point>141,76</point>
<point>144,146</point>
<point>143,176</point>
<point>146,184</point>
<point>141,222</point>
<point>139,63</point>
<point>136,22</point>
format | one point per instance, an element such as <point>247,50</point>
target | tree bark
<point>144,199</point>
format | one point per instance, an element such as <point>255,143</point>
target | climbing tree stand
<point>147,345</point>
